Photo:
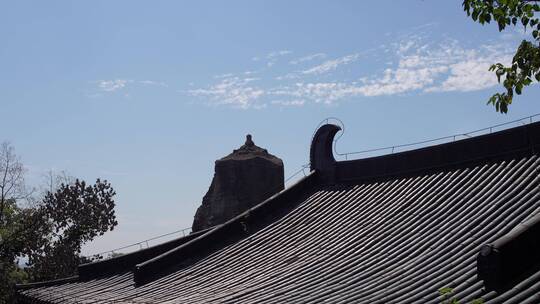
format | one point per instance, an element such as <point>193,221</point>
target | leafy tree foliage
<point>447,298</point>
<point>72,216</point>
<point>48,233</point>
<point>525,67</point>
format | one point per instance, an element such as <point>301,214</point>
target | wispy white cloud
<point>112,85</point>
<point>289,76</point>
<point>226,75</point>
<point>319,92</point>
<point>331,65</point>
<point>234,91</point>
<point>472,72</point>
<point>272,57</point>
<point>153,83</point>
<point>447,66</point>
<point>278,53</point>
<point>120,84</point>
<point>420,67</point>
<point>308,58</point>
<point>414,64</point>
<point>287,103</point>
<point>470,75</point>
<point>401,80</point>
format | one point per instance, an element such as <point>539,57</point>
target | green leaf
<point>475,15</point>
<point>499,73</point>
<point>503,108</point>
<point>466,6</point>
<point>501,25</point>
<point>445,291</point>
<point>524,21</point>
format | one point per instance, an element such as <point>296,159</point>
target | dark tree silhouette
<point>47,233</point>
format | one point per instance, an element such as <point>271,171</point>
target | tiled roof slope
<point>390,229</point>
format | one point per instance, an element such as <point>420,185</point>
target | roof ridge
<point>46,283</point>
<point>231,231</point>
<point>127,261</point>
<point>517,141</point>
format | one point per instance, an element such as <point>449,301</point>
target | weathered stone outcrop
<point>241,180</point>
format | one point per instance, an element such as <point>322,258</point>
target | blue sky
<point>149,94</point>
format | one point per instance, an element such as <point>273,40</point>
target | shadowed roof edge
<point>46,283</point>
<point>513,142</point>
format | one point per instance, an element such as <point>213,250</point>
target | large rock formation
<point>241,180</point>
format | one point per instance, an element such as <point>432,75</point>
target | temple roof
<point>389,229</point>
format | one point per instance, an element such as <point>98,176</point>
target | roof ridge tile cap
<point>321,156</point>
<point>507,260</point>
